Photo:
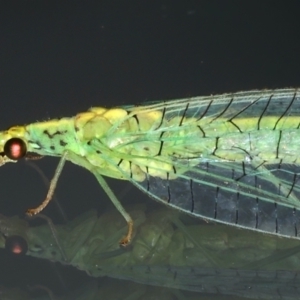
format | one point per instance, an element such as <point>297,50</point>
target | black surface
<point>58,58</point>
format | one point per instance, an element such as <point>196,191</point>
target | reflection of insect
<point>165,252</point>
<point>231,158</point>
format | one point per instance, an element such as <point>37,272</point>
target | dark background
<point>58,58</point>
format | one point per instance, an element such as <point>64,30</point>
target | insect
<point>231,158</point>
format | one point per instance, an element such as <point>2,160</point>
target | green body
<point>231,158</point>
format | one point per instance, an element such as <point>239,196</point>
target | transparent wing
<point>231,158</point>
<point>233,194</point>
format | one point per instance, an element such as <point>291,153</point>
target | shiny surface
<point>58,60</point>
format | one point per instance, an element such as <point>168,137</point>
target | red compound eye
<point>15,148</point>
<point>16,244</point>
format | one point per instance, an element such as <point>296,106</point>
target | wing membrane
<point>231,158</point>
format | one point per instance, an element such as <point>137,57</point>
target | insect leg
<point>126,240</point>
<point>285,189</point>
<point>53,183</point>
